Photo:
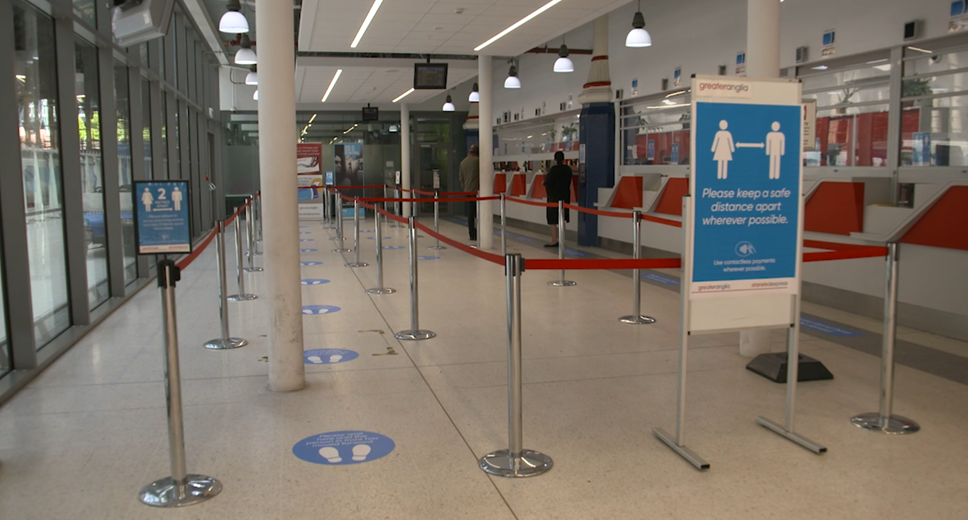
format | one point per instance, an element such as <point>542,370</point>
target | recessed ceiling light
<point>332,84</point>
<point>517,24</point>
<point>366,23</point>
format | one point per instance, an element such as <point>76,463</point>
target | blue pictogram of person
<point>723,148</point>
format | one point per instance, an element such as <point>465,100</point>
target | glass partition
<point>934,103</point>
<point>125,177</point>
<point>147,118</point>
<point>36,80</point>
<point>655,130</point>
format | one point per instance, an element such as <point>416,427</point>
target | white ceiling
<point>434,27</point>
<point>369,80</point>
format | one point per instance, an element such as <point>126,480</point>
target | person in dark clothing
<point>470,180</point>
<point>558,185</point>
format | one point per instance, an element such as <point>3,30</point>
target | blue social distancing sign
<point>328,356</point>
<point>343,447</point>
<point>747,192</point>
<point>163,221</point>
<point>320,309</point>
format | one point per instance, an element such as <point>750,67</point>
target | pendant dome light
<point>638,36</point>
<point>252,78</point>
<point>255,95</point>
<point>233,21</point>
<point>512,80</point>
<point>475,96</point>
<point>563,64</point>
<point>449,105</point>
<point>245,56</point>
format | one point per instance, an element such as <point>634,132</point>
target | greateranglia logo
<point>728,87</point>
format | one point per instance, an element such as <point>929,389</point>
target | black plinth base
<point>774,367</point>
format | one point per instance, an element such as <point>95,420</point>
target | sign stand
<point>743,227</point>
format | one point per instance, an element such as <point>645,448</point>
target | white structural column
<point>762,61</point>
<point>277,164</point>
<point>405,155</point>
<point>485,221</point>
<point>598,88</point>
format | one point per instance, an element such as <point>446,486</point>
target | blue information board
<point>746,195</point>
<point>162,217</point>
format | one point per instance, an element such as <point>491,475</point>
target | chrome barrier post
<point>379,289</point>
<point>636,318</point>
<point>477,220</point>
<point>356,235</point>
<point>561,282</point>
<point>385,197</point>
<point>242,296</point>
<point>339,225</point>
<point>884,420</point>
<point>414,334</point>
<point>225,341</point>
<point>181,488</point>
<point>515,461</point>
<point>504,226</point>
<point>250,240</point>
<point>437,247</point>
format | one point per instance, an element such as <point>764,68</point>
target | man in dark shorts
<point>558,185</point>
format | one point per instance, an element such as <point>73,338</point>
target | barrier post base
<point>381,290</point>
<point>253,269</point>
<point>356,264</point>
<point>773,366</point>
<point>637,320</point>
<point>242,297</point>
<point>226,344</point>
<point>791,436</point>
<point>503,463</point>
<point>436,248</point>
<point>415,335</point>
<point>684,452</point>
<point>342,250</point>
<point>562,283</point>
<point>335,239</point>
<point>165,493</point>
<point>893,425</point>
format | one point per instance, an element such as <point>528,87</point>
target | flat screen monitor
<point>371,114</point>
<point>430,76</point>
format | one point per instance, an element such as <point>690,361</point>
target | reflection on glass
<point>92,172</point>
<point>86,10</point>
<point>4,347</point>
<point>125,177</point>
<point>657,132</point>
<point>162,173</point>
<point>146,130</point>
<point>851,136</point>
<point>36,80</point>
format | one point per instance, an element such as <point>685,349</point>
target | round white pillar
<point>762,61</point>
<point>277,164</point>
<point>485,221</point>
<point>405,155</point>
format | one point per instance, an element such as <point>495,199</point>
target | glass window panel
<point>146,131</point>
<point>125,177</point>
<point>162,173</point>
<point>92,171</point>
<point>657,132</point>
<point>36,80</point>
<point>920,62</point>
<point>934,133</point>
<point>4,346</point>
<point>850,136</point>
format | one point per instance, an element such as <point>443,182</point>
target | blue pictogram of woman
<point>723,149</point>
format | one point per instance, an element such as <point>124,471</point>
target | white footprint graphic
<point>332,454</point>
<point>315,359</point>
<point>335,358</point>
<point>360,451</point>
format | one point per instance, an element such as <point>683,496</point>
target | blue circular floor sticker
<point>320,309</point>
<point>308,250</point>
<point>394,247</point>
<point>305,232</point>
<point>311,263</point>
<point>343,448</point>
<point>305,240</point>
<point>328,356</point>
<point>313,281</point>
<point>428,258</point>
<point>374,238</point>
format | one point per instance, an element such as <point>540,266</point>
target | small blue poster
<point>922,149</point>
<point>675,154</point>
<point>328,356</point>
<point>650,150</point>
<point>162,219</point>
<point>343,447</point>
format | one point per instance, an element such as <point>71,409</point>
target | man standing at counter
<point>470,179</point>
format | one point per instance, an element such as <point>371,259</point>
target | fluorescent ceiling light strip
<point>311,119</point>
<point>366,22</point>
<point>332,84</point>
<point>519,23</point>
<point>401,96</point>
